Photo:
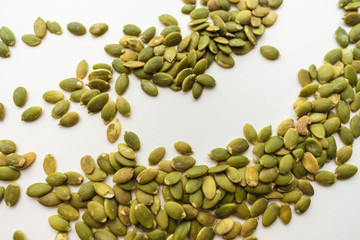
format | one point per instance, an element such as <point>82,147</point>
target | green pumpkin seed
<point>168,20</point>
<point>31,114</point>
<point>38,189</point>
<point>40,27</point>
<point>54,27</point>
<point>285,213</point>
<point>83,230</point>
<point>132,30</point>
<point>206,233</point>
<point>325,178</point>
<point>12,194</point>
<point>2,111</point>
<point>71,84</point>
<point>53,96</point>
<point>224,226</point>
<point>98,102</point>
<point>98,29</point>
<point>20,96</point>
<point>69,119</point>
<point>174,210</point>
<point>59,224</point>
<point>19,235</point>
<point>7,36</point>
<point>31,39</point>
<point>114,50</point>
<point>60,108</point>
<point>76,28</point>
<point>4,50</point>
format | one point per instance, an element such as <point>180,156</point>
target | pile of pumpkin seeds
<point>7,39</point>
<point>284,164</point>
<point>11,163</point>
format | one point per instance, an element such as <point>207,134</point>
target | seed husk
<point>20,96</point>
<point>31,114</point>
<point>12,194</point>
<point>98,29</point>
<point>31,39</point>
<point>54,27</point>
<point>7,36</point>
<point>76,28</point>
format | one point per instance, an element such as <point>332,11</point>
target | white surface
<point>257,91</point>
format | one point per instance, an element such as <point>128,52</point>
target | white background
<point>256,90</point>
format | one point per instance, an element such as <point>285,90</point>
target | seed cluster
<point>199,200</point>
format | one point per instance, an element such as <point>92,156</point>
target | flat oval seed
<point>40,27</point>
<point>54,27</point>
<point>76,28</point>
<point>269,52</point>
<point>98,29</point>
<point>224,226</point>
<point>174,210</point>
<point>69,119</point>
<point>49,164</point>
<point>59,224</point>
<point>149,87</point>
<point>38,189</point>
<point>19,235</point>
<point>7,36</point>
<point>31,114</point>
<point>168,20</point>
<point>12,194</point>
<point>132,30</point>
<point>98,102</point>
<point>31,39</point>
<point>20,96</point>
<point>53,96</point>
<point>123,106</point>
<point>156,155</point>
<point>83,231</point>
